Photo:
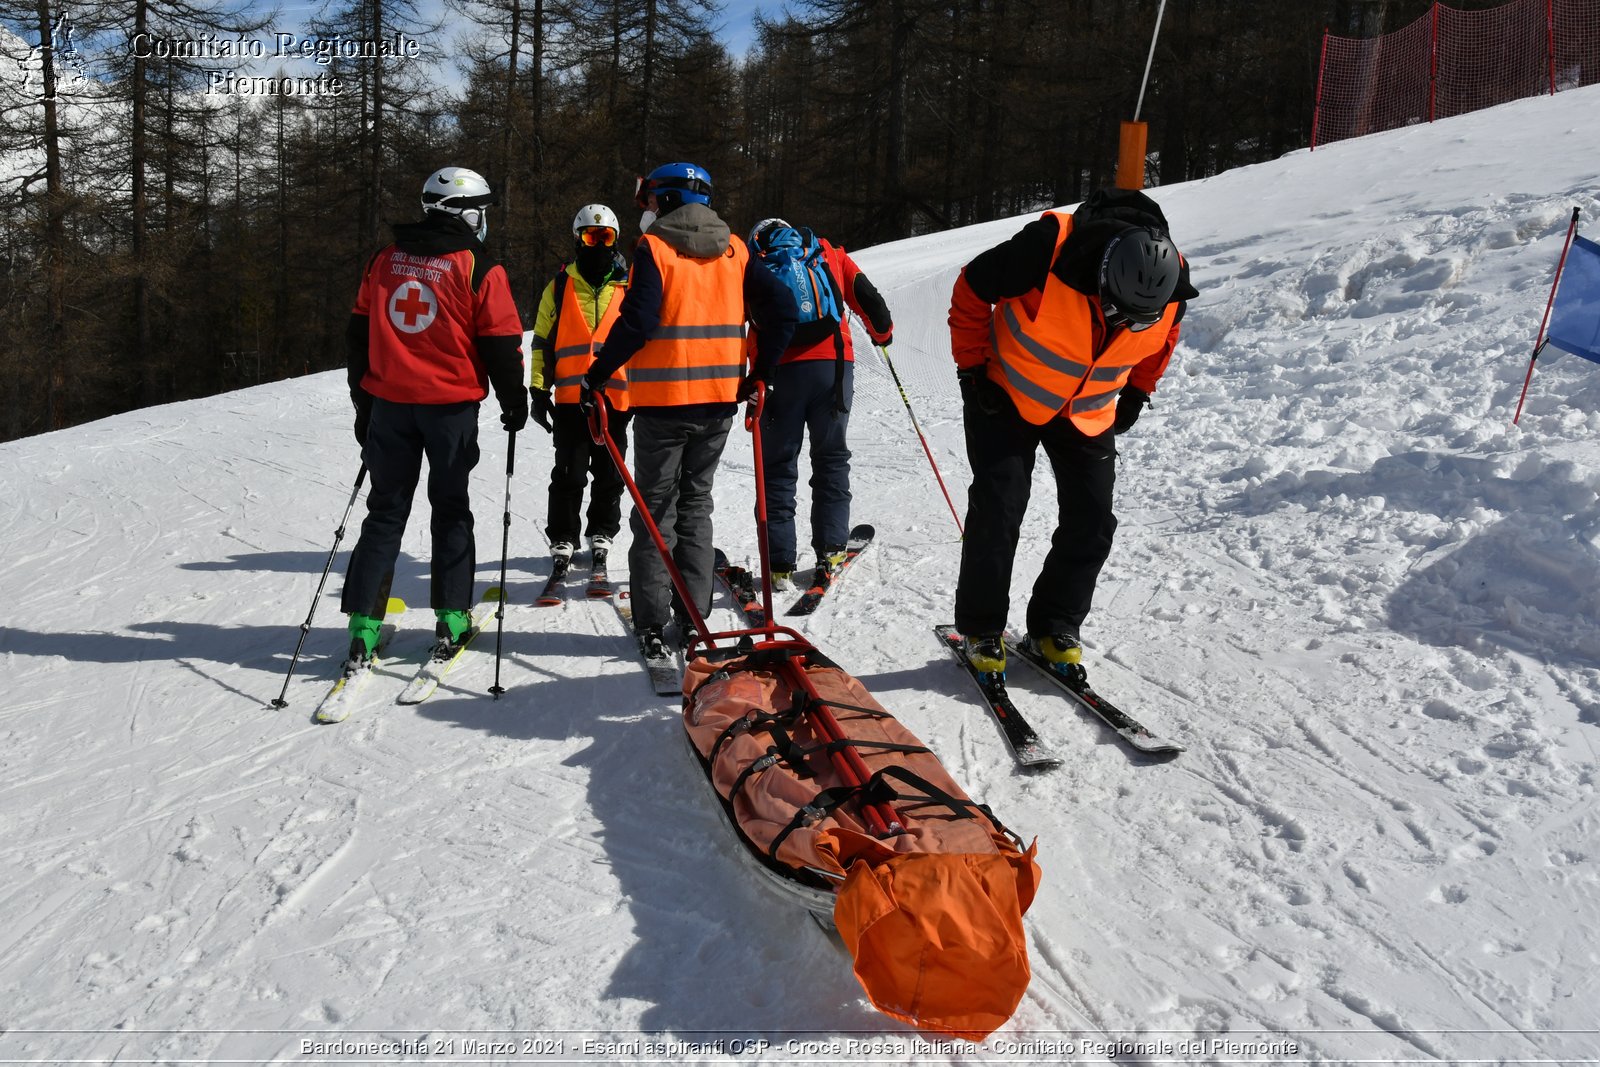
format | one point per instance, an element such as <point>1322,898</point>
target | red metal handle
<point>601,434</point>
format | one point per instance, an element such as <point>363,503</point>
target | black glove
<point>544,408</point>
<point>976,388</point>
<point>747,388</point>
<point>1129,405</point>
<point>588,396</point>
<point>514,410</point>
<point>363,418</point>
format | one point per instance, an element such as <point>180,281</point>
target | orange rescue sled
<point>852,814</point>
<point>931,912</point>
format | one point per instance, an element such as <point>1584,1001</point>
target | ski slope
<point>1367,604</point>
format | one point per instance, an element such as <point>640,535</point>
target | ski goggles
<point>598,235</point>
<point>1115,316</point>
<point>644,188</point>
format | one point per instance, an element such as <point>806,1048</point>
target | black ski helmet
<point>1138,275</point>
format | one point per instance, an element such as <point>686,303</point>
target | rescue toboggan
<point>847,813</point>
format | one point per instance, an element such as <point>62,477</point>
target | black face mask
<point>595,262</point>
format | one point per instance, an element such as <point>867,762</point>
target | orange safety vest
<point>696,355</point>
<point>574,346</point>
<point>1044,357</point>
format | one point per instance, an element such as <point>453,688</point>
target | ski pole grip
<point>511,453</point>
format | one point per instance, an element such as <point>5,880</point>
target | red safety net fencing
<point>1449,62</point>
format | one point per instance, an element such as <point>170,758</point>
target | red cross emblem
<point>413,307</point>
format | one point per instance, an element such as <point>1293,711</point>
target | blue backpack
<point>795,256</point>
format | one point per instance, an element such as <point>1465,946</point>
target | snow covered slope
<point>1367,604</point>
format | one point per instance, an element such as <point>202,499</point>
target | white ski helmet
<point>460,192</point>
<point>594,215</point>
<point>762,227</point>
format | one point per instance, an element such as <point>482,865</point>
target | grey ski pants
<point>675,464</point>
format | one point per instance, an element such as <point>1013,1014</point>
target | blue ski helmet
<point>674,184</point>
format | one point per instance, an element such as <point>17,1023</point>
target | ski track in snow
<point>1368,605</point>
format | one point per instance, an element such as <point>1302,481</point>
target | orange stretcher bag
<point>931,911</point>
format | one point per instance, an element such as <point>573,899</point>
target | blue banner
<point>1575,320</point>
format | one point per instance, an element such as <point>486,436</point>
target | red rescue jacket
<point>425,314</point>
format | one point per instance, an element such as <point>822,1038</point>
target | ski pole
<point>884,352</point>
<point>305,627</point>
<point>505,544</point>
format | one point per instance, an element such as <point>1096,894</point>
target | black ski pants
<point>1001,448</point>
<point>398,438</point>
<point>577,458</point>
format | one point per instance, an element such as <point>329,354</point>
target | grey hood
<point>693,230</point>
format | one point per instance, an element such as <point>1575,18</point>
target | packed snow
<point>1367,604</point>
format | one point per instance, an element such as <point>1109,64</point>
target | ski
<point>666,672</point>
<point>860,538</point>
<point>741,585</point>
<point>1025,745</point>
<point>443,659</point>
<point>1076,685</point>
<point>336,705</point>
<point>551,595</point>
<point>599,585</point>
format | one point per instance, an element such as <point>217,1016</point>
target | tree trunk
<point>280,296</point>
<point>375,163</point>
<point>508,120</point>
<point>646,148</point>
<point>894,190</point>
<point>139,160</point>
<point>53,352</point>
<point>536,88</point>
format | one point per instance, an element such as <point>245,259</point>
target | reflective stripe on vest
<point>707,373</point>
<point>698,333</point>
<point>574,345</point>
<point>696,355</point>
<point>1045,360</point>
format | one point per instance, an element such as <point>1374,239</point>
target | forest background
<point>155,236</point>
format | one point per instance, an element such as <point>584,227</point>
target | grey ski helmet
<point>1138,275</point>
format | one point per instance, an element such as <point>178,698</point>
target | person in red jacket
<point>433,326</point>
<point>812,390</point>
<point>1060,335</point>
